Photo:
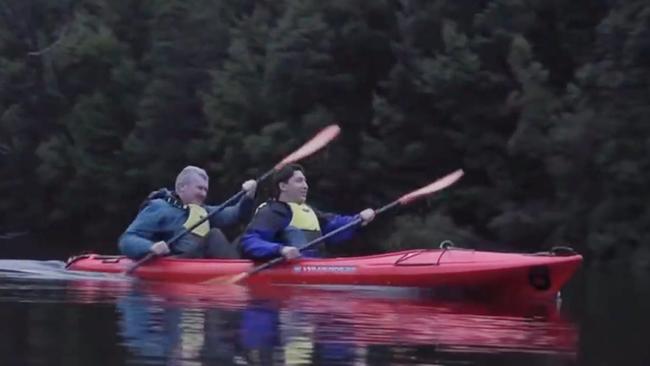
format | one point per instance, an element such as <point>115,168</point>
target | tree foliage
<point>543,103</point>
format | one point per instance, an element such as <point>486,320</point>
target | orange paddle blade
<point>439,184</point>
<point>226,280</point>
<point>317,142</point>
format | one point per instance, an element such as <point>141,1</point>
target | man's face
<point>194,190</point>
<point>295,189</point>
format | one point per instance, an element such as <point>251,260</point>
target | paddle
<point>322,138</point>
<point>439,184</point>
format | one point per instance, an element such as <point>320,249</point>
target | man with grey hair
<point>165,213</point>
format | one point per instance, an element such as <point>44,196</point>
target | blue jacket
<point>262,238</point>
<point>163,216</point>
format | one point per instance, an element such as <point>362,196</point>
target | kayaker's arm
<point>239,212</point>
<point>257,242</point>
<point>137,239</point>
<point>254,247</point>
<point>331,222</point>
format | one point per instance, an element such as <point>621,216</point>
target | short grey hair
<point>187,173</point>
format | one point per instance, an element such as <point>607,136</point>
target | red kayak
<point>512,274</point>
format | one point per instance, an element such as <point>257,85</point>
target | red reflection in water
<point>373,317</point>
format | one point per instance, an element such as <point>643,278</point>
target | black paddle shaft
<point>180,234</point>
<point>316,143</point>
<point>220,208</point>
<point>320,239</point>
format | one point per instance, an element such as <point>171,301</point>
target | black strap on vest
<point>165,194</point>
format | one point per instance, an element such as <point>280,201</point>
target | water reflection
<point>176,324</point>
<point>166,332</point>
<point>114,320</point>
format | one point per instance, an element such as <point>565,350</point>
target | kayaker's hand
<point>159,248</point>
<point>249,186</point>
<point>290,252</point>
<point>366,216</point>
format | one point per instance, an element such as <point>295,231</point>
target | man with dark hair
<point>284,224</point>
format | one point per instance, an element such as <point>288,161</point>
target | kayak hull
<point>525,275</point>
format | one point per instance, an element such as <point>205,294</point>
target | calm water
<point>50,317</point>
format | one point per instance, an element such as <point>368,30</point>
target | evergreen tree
<point>324,62</point>
<point>600,161</point>
<point>543,104</point>
<point>242,137</point>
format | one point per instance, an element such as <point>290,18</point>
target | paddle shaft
<point>316,143</point>
<point>221,207</point>
<point>318,240</point>
<point>437,185</point>
<point>180,234</point>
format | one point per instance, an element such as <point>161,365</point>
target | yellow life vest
<point>197,213</point>
<point>303,227</point>
<point>303,217</point>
